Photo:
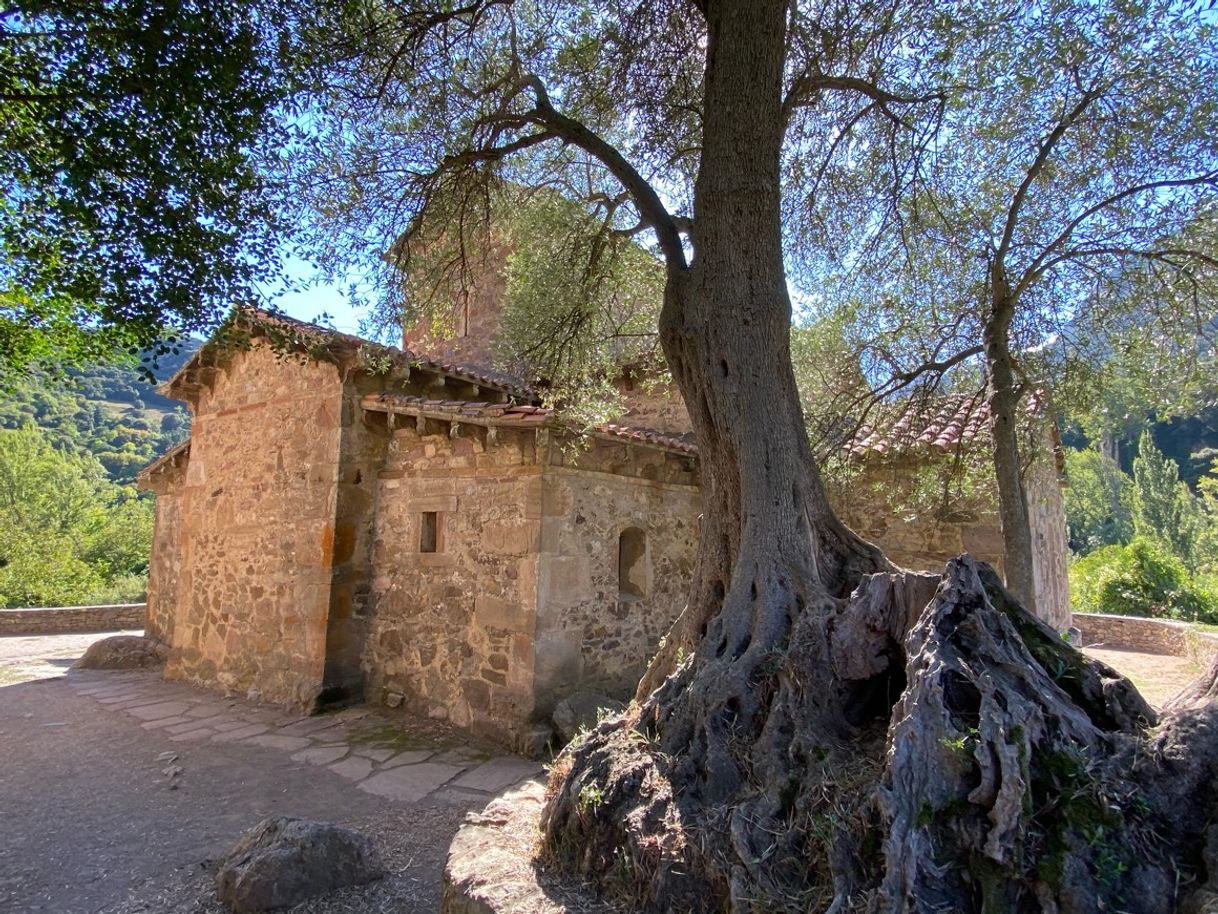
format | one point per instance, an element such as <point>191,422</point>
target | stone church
<point>352,521</point>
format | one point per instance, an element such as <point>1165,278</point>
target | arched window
<point>632,564</point>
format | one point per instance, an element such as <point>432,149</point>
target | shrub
<point>1141,579</point>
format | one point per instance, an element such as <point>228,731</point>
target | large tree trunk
<point>769,541</point>
<point>1004,396</point>
<point>824,731</point>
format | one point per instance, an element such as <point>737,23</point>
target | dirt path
<point>1159,677</point>
<point>27,657</point>
<point>90,822</point>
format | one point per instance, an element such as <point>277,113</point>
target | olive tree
<point>820,730</point>
<point>1069,214</point>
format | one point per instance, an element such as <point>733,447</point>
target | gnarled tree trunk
<point>1004,395</point>
<point>823,731</point>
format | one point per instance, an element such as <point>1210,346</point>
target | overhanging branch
<point>650,207</point>
<point>1046,260</point>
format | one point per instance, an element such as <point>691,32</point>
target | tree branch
<point>651,208</point>
<point>1040,265</point>
<point>805,88</point>
<point>1038,164</point>
<point>1161,255</point>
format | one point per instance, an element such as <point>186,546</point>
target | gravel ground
<point>1159,677</point>
<point>90,825</point>
<point>27,657</point>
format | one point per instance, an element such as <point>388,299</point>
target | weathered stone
<point>284,861</point>
<point>409,757</point>
<point>582,710</point>
<point>159,710</point>
<point>123,652</point>
<point>498,774</point>
<point>490,871</point>
<point>409,783</point>
<point>193,735</point>
<point>278,741</point>
<point>493,612</point>
<point>164,722</point>
<point>231,736</point>
<point>353,769</point>
<point>377,755</point>
<point>322,755</point>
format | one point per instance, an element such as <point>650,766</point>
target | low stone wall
<point>1152,636</point>
<point>61,620</point>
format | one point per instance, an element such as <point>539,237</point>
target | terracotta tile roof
<point>943,423</point>
<point>519,416</point>
<point>313,333</point>
<point>167,459</point>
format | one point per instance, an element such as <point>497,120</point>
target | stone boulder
<point>123,652</point>
<point>283,861</point>
<point>582,709</point>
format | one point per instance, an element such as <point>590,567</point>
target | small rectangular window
<point>429,532</point>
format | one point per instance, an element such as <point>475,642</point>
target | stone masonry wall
<point>923,541</point>
<point>165,558</point>
<point>362,455</point>
<point>1152,636</point>
<point>62,619</point>
<point>1050,545</point>
<point>657,406</point>
<point>591,635</point>
<point>451,632</point>
<point>927,539</point>
<point>257,534</point>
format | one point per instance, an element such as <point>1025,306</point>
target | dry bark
<point>1011,774</point>
<point>1003,399</point>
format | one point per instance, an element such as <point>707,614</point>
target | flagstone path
<point>379,754</point>
<point>118,791</point>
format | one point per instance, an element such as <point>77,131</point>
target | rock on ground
<point>123,652</point>
<point>581,710</point>
<point>283,861</point>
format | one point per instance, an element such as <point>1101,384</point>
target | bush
<point>128,588</point>
<point>1141,579</point>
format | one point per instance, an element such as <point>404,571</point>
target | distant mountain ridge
<point>110,411</point>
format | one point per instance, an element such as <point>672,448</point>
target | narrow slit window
<point>429,532</point>
<point>632,564</point>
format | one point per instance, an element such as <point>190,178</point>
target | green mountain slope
<point>111,412</point>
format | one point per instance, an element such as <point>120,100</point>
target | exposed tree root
<point>907,749</point>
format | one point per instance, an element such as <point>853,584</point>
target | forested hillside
<point>110,412</point>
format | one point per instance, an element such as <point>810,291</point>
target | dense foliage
<point>1141,579</point>
<point>67,534</point>
<point>133,202</point>
<point>111,413</point>
<point>1147,543</point>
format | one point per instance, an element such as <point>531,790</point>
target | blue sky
<point>316,298</point>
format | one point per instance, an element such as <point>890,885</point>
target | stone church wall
<point>926,539</point>
<point>165,559</point>
<point>1050,544</point>
<point>257,536</point>
<point>592,632</point>
<point>922,540</point>
<point>451,631</point>
<point>657,405</point>
<point>363,452</point>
